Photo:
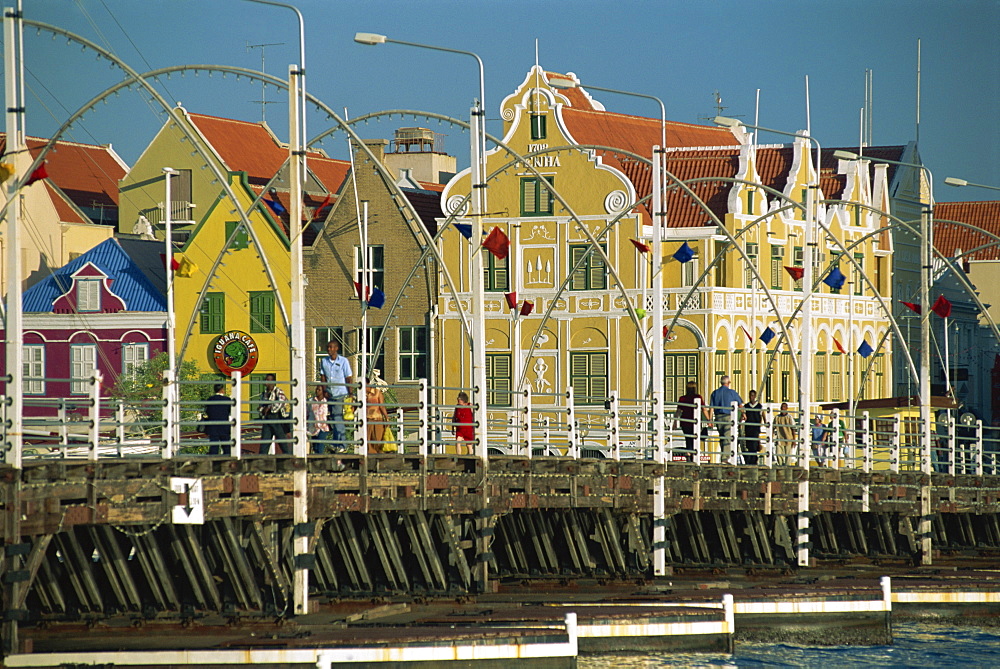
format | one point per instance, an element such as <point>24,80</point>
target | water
<point>924,645</point>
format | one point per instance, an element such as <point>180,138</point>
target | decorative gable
<point>89,292</point>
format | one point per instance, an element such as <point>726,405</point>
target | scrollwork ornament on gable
<point>454,202</point>
<point>615,202</point>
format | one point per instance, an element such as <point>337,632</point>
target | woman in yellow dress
<point>376,418</point>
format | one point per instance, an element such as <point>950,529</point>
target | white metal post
<point>171,414</point>
<point>95,415</point>
<point>527,422</point>
<point>13,96</point>
<point>168,423</point>
<point>237,415</point>
<point>297,336</point>
<point>615,437</point>
<point>424,417</point>
<point>478,200</point>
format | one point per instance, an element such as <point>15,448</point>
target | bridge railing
<point>421,419</point>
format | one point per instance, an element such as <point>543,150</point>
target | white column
<point>12,242</point>
<point>478,200</point>
<point>297,337</point>
<point>171,414</point>
<point>659,484</point>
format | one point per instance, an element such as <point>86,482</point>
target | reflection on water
<point>922,645</point>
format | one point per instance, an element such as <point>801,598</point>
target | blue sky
<point>680,51</point>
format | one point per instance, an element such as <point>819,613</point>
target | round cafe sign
<point>235,351</point>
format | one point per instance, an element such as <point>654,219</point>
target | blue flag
<point>865,349</point>
<point>465,229</point>
<point>275,206</point>
<point>377,299</point>
<point>684,253</point>
<point>767,335</point>
<point>835,279</point>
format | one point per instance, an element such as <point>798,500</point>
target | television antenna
<point>264,102</point>
<point>719,108</point>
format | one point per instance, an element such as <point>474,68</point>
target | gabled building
<point>229,278</point>
<point>104,310</point>
<point>399,332</point>
<point>972,345</point>
<point>69,212</point>
<point>589,341</point>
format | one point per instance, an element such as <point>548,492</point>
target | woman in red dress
<point>463,424</point>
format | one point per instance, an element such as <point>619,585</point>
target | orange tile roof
<point>773,164</point>
<point>252,148</point>
<point>950,238</point>
<point>66,213</point>
<point>637,133</point>
<point>87,173</point>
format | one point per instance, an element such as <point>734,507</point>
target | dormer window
<point>88,294</point>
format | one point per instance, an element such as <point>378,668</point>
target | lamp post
<point>806,343</point>
<point>926,244</point>
<point>297,334</point>
<point>477,169</point>
<point>172,433</point>
<point>659,222</point>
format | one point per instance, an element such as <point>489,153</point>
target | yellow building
<point>229,278</point>
<point>581,334</point>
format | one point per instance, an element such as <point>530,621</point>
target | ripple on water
<point>919,645</point>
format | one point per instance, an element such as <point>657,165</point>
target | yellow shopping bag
<point>348,408</point>
<point>389,439</point>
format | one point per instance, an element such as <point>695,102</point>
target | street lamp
<point>805,365</point>
<point>477,167</point>
<point>926,244</point>
<point>297,334</point>
<point>659,221</point>
<point>955,181</point>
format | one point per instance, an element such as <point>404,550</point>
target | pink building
<point>104,310</point>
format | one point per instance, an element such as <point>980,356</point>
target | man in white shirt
<point>336,372</point>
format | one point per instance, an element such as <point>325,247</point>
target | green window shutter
<point>529,199</point>
<point>538,126</point>
<point>579,278</point>
<point>544,197</point>
<point>241,240</point>
<point>262,311</point>
<point>213,313</point>
<point>598,279</point>
<point>498,379</point>
<point>536,199</point>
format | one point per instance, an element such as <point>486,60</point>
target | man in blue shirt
<point>335,371</point>
<point>722,399</point>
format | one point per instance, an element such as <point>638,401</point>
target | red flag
<point>318,212</point>
<point>749,338</point>
<point>942,307</point>
<point>527,307</point>
<point>511,299</point>
<point>795,272</point>
<point>497,243</point>
<point>643,248</point>
<point>915,307</point>
<point>357,289</point>
<point>666,331</point>
<point>174,265</point>
<point>37,175</point>
<point>838,345</point>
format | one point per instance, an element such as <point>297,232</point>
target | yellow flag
<point>186,267</point>
<point>6,170</point>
